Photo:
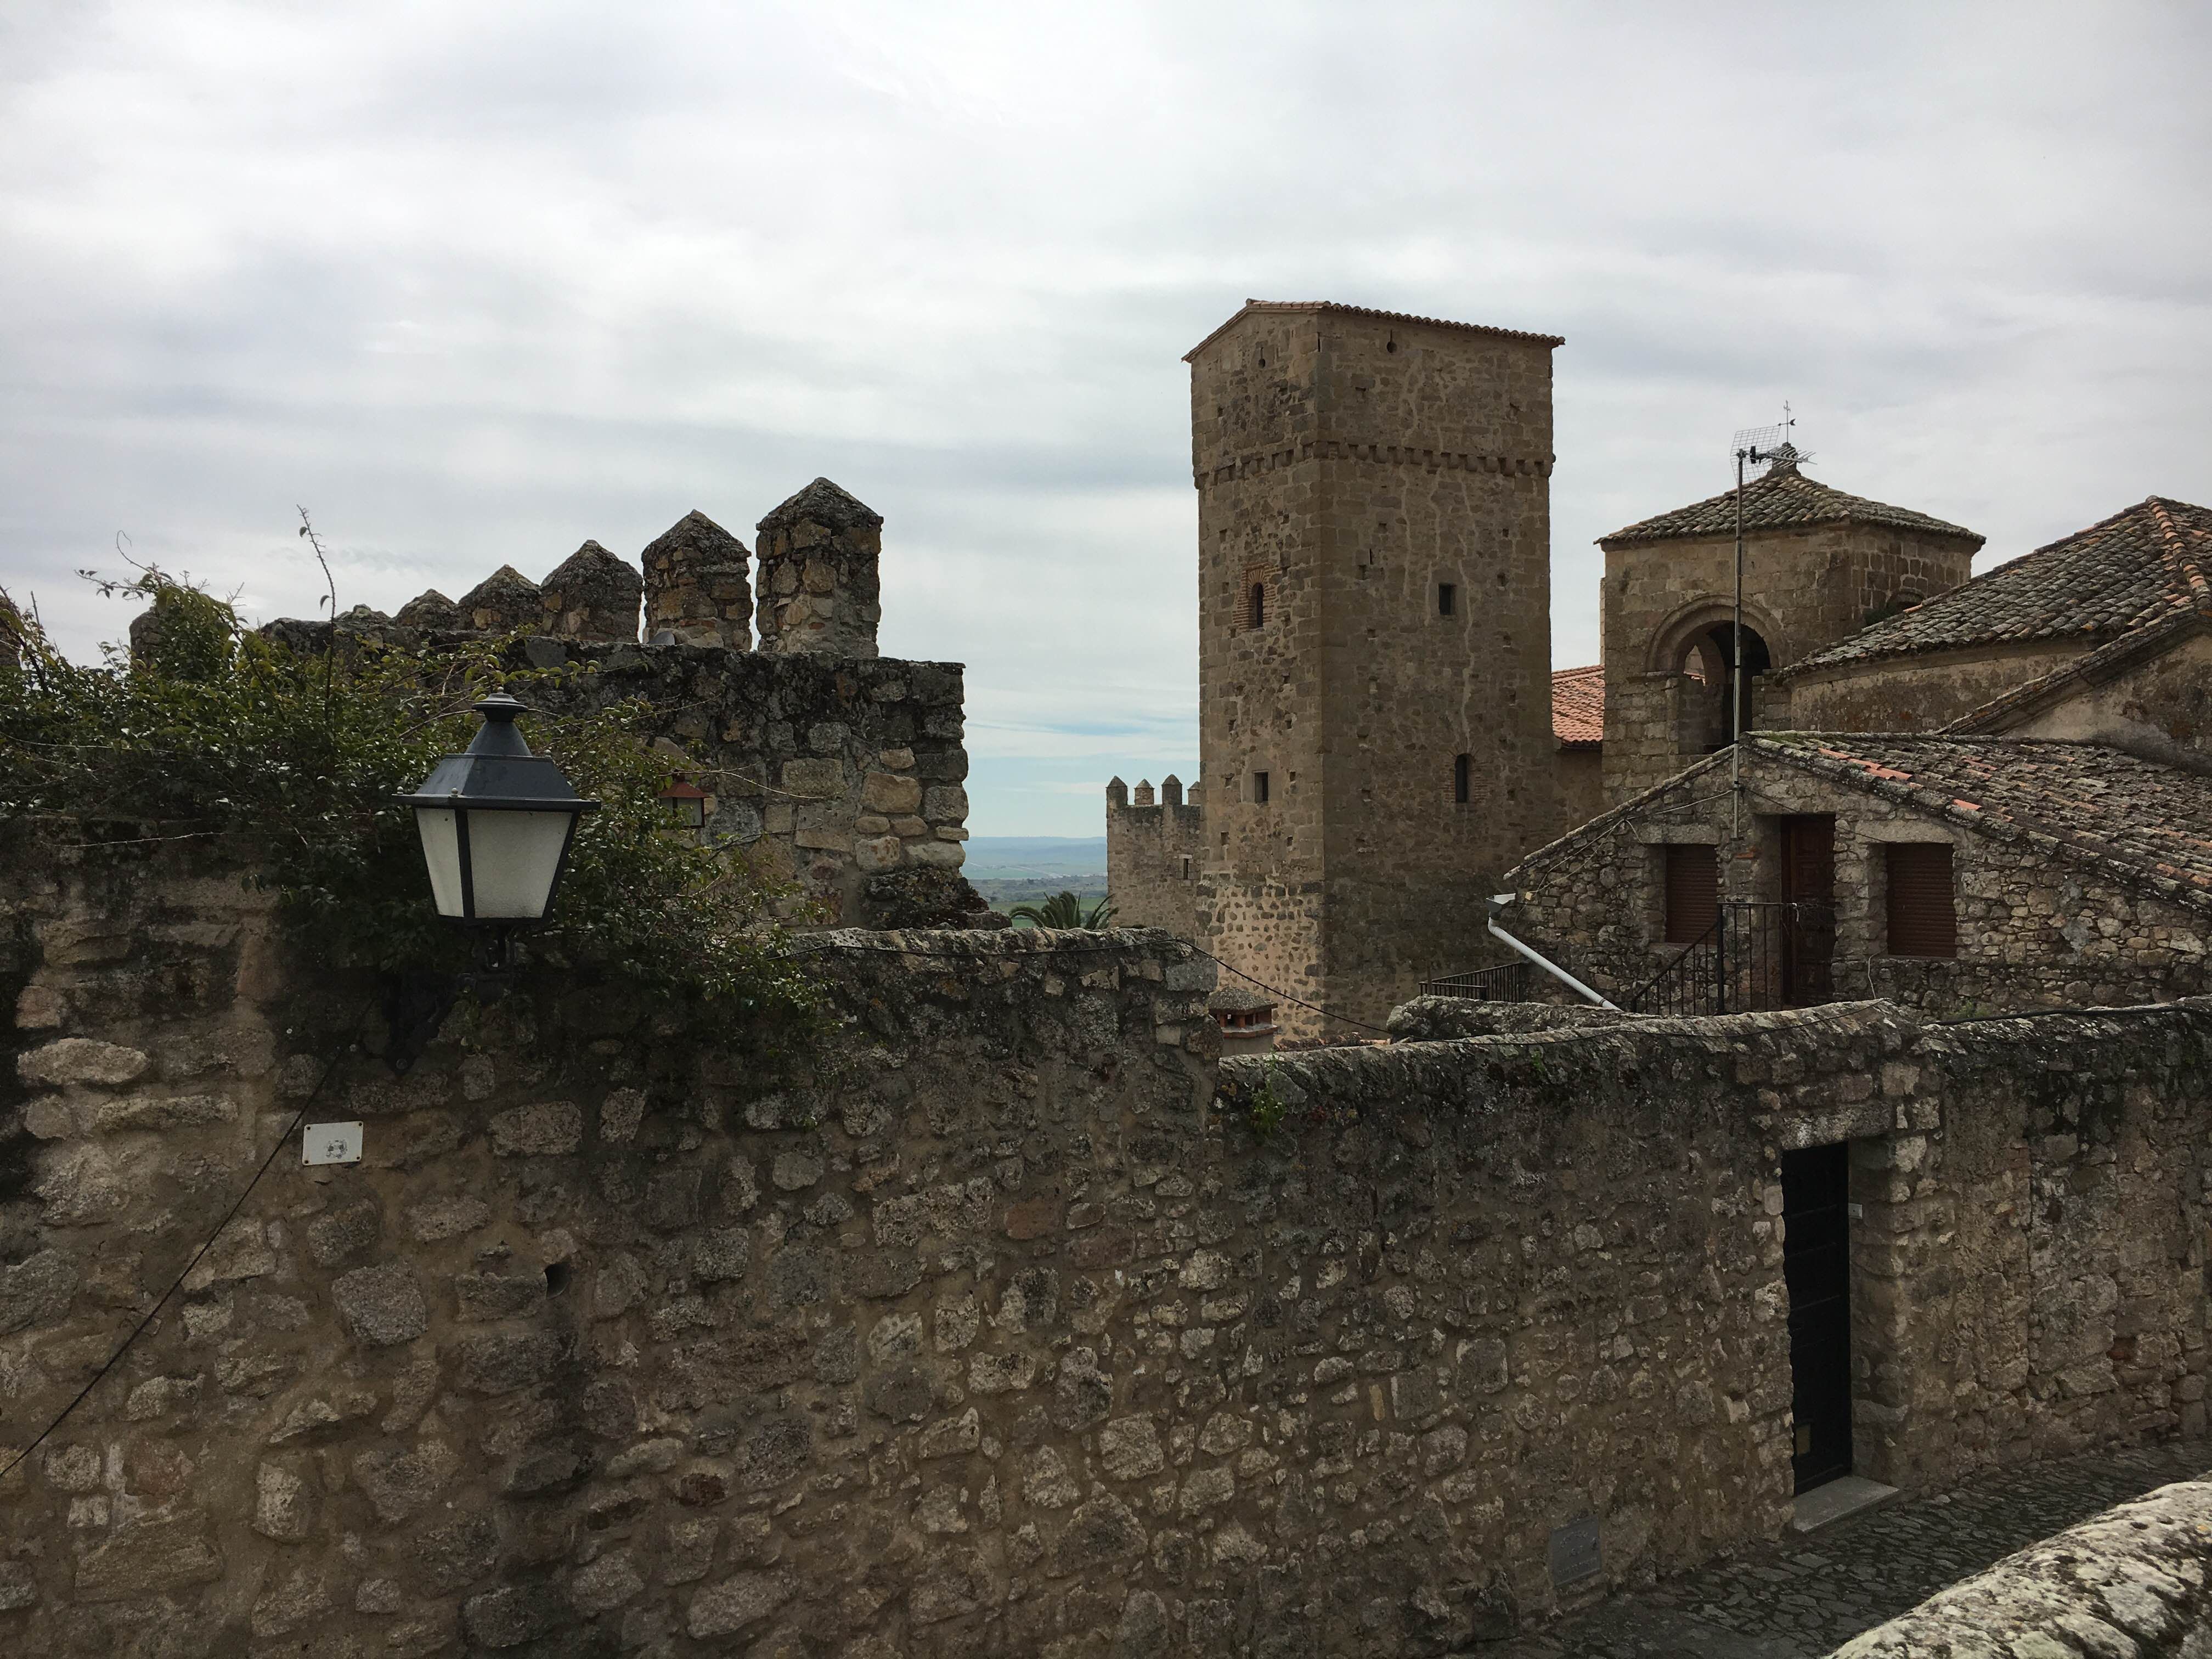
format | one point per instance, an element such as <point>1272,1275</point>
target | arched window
<point>1257,614</point>
<point>1462,778</point>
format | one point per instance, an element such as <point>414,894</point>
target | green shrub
<point>295,761</point>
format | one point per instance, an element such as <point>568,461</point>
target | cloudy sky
<point>476,280</point>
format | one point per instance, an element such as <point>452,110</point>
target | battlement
<point>1118,799</point>
<point>844,769</point>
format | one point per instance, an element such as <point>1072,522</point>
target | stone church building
<point>1382,735</point>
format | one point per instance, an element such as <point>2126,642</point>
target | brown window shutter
<point>1923,917</point>
<point>1693,893</point>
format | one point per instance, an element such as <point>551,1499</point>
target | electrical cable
<point>329,1070</point>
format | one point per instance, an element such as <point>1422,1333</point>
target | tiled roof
<point>2133,568</point>
<point>1783,498</point>
<point>1578,705</point>
<point>1367,311</point>
<point>2136,821</point>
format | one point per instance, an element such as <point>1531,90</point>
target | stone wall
<point>2035,929</point>
<point>1921,693</point>
<point>2158,703</point>
<point>1155,854</point>
<point>2136,1582</point>
<point>1577,786</point>
<point>978,1332</point>
<point>840,768</point>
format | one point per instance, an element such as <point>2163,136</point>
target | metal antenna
<point>1753,443</point>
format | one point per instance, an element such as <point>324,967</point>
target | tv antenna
<point>1752,445</point>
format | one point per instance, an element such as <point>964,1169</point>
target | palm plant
<point>1064,909</point>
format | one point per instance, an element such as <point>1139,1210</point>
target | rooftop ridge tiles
<point>1781,497</point>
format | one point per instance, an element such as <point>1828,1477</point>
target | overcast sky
<point>475,282</point>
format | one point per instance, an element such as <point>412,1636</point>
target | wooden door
<point>1808,929</point>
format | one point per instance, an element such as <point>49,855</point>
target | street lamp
<point>685,803</point>
<point>497,824</point>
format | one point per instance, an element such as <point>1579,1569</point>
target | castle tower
<point>1373,641</point>
<point>1819,565</point>
<point>697,586</point>
<point>819,591</point>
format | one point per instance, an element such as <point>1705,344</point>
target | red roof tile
<point>1578,705</point>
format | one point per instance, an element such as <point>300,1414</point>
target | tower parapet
<point>820,590</point>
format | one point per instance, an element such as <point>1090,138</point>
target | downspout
<point>1497,903</point>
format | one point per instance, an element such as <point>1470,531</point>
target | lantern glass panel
<point>441,851</point>
<point>512,860</point>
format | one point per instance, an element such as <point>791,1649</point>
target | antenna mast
<point>1753,444</point>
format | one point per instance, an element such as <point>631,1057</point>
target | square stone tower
<point>1374,641</point>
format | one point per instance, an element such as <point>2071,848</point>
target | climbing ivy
<point>295,759</point>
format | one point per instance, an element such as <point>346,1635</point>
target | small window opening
<point>1260,788</point>
<point>1185,866</point>
<point>1389,345</point>
<point>1463,777</point>
<point>1257,610</point>
<point>1447,599</point>
<point>557,1278</point>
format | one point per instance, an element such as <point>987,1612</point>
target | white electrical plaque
<point>332,1143</point>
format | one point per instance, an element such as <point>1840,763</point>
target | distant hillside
<point>1036,858</point>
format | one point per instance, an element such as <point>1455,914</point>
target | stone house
<point>2109,601</point>
<point>1957,873</point>
<point>1578,731</point>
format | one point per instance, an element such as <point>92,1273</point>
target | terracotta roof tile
<point>1578,705</point>
<point>2137,568</point>
<point>1783,498</point>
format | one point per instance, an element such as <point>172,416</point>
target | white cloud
<point>477,281</point>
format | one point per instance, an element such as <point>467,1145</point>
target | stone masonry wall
<point>2035,930</point>
<point>2134,1582</point>
<point>1915,693</point>
<point>842,769</point>
<point>978,1332</point>
<point>1155,854</point>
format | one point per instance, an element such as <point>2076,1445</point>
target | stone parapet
<point>820,593</point>
<point>2134,1584</point>
<point>696,584</point>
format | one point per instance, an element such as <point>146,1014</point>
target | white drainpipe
<point>1497,903</point>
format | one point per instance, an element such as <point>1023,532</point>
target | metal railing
<point>1758,954</point>
<point>1507,983</point>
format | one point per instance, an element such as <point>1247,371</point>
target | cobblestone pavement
<point>1803,1598</point>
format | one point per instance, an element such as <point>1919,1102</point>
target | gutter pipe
<point>1497,903</point>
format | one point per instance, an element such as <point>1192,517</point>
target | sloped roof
<point>2144,823</point>
<point>2145,826</point>
<point>825,503</point>
<point>1250,306</point>
<point>2121,574</point>
<point>1578,705</point>
<point>1782,498</point>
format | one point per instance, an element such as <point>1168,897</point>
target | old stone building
<point>1155,853</point>
<point>1578,732</point>
<point>844,770</point>
<point>1374,628</point>
<point>2128,589</point>
<point>1960,874</point>
<point>1819,565</point>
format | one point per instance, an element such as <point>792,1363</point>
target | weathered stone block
<point>382,1306</point>
<point>742,1599</point>
<point>550,1129</point>
<point>150,1557</point>
<point>82,1059</point>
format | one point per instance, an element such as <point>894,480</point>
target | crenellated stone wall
<point>1155,854</point>
<point>979,1331</point>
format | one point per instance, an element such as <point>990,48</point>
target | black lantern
<point>497,824</point>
